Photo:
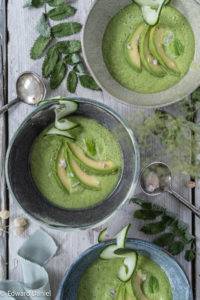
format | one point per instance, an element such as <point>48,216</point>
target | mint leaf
<point>146,214</point>
<point>69,47</point>
<point>164,240</point>
<point>39,47</point>
<point>58,74</point>
<point>176,247</point>
<point>66,29</point>
<point>72,59</point>
<point>55,2</point>
<point>80,69</point>
<point>37,3</point>
<point>142,203</point>
<point>72,81</point>
<point>153,284</point>
<point>88,82</point>
<point>61,12</point>
<point>154,228</point>
<point>50,62</point>
<point>190,255</point>
<point>43,27</point>
<point>178,47</point>
<point>91,147</point>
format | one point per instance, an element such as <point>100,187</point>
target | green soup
<point>180,49</point>
<point>100,281</point>
<point>44,158</point>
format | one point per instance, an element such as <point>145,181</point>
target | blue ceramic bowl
<point>181,289</point>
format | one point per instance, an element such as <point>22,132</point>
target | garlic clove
<point>4,214</point>
<point>20,222</point>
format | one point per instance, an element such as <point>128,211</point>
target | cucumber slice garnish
<point>151,9</point>
<point>63,111</point>
<point>126,270</point>
<point>55,131</point>
<point>109,252</point>
<point>119,251</point>
<point>102,235</point>
<point>67,108</point>
<point>121,236</point>
<point>65,124</point>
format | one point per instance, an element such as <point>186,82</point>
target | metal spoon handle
<point>7,106</point>
<point>185,202</point>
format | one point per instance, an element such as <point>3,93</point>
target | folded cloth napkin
<point>33,255</point>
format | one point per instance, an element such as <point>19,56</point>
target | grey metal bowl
<point>181,289</point>
<point>24,190</point>
<point>100,14</point>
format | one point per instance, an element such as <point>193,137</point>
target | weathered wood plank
<point>2,129</point>
<point>71,243</point>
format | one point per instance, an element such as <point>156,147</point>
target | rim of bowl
<point>132,188</point>
<point>102,86</point>
<point>130,240</point>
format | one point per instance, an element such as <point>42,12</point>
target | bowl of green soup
<point>156,276</point>
<point>141,64</point>
<point>74,171</point>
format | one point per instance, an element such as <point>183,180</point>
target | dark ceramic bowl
<point>181,289</point>
<point>24,190</point>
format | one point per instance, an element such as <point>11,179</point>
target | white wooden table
<point>21,34</point>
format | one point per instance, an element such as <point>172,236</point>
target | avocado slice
<point>137,286</point>
<point>89,181</point>
<point>156,45</point>
<point>121,293</point>
<point>129,295</point>
<point>132,49</point>
<point>149,62</point>
<point>61,170</point>
<point>102,166</point>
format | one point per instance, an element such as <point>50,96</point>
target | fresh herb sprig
<point>61,58</point>
<point>171,233</point>
<point>178,135</point>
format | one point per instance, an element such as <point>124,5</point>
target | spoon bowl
<point>30,89</point>
<point>156,178</point>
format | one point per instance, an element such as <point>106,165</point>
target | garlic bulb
<point>20,225</point>
<point>4,214</point>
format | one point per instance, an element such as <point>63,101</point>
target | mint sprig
<point>171,234</point>
<point>61,58</point>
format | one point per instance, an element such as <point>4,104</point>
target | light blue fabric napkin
<point>33,255</point>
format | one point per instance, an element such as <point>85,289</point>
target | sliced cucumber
<point>65,124</point>
<point>67,108</point>
<point>63,111</point>
<point>102,235</point>
<point>109,251</point>
<point>151,10</point>
<point>126,270</point>
<point>121,237</point>
<point>55,131</point>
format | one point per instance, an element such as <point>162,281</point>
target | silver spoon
<point>156,178</point>
<point>30,89</point>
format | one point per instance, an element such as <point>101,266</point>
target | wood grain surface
<point>21,28</point>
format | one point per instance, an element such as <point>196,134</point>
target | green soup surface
<point>100,280</point>
<point>122,26</point>
<point>44,156</point>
